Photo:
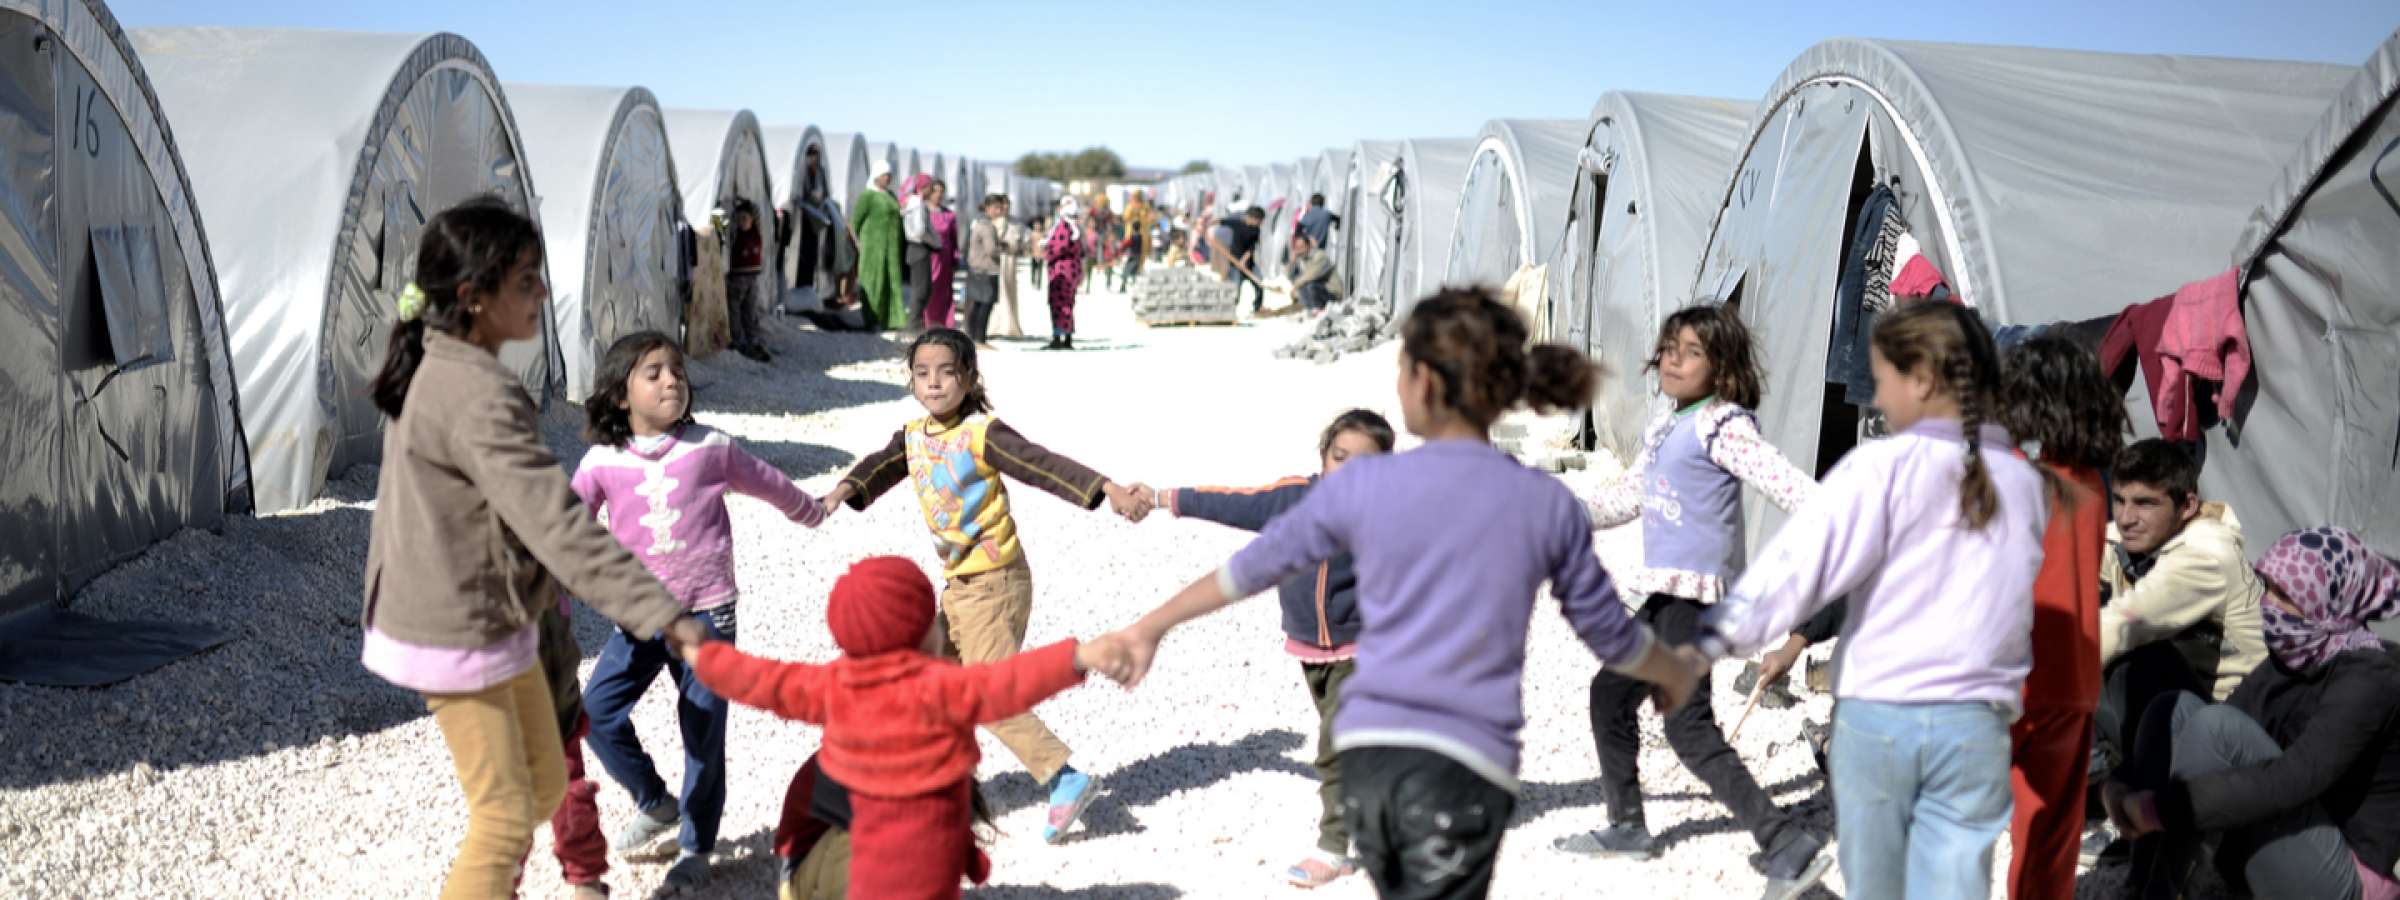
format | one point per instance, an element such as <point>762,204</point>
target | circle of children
<point>2247,710</point>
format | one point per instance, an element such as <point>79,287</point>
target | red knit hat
<point>882,604</point>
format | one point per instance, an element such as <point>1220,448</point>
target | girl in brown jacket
<point>475,528</point>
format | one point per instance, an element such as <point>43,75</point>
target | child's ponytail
<point>1949,342</point>
<point>471,245</point>
<point>1476,344</point>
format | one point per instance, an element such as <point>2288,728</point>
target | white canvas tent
<point>317,157</point>
<point>2319,442</point>
<point>1513,201</point>
<point>1429,174</point>
<point>2044,184</point>
<point>911,163</point>
<point>721,158</point>
<point>1651,172</point>
<point>609,210</point>
<point>122,425</point>
<point>1333,180</point>
<point>847,166</point>
<point>1374,235</point>
<point>1275,237</point>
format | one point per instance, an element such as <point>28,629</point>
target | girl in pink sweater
<point>661,479</point>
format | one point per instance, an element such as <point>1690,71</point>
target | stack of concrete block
<point>1185,296</point>
<point>1348,327</point>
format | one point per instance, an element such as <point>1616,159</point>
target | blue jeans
<point>624,672</point>
<point>1921,793</point>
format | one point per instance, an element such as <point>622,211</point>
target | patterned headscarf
<point>915,184</point>
<point>2338,583</point>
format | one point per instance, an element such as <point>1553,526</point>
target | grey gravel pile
<point>276,767</point>
<point>1351,326</point>
<point>1178,295</point>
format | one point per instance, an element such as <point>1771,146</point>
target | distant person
<point>1099,246</point>
<point>1241,255</point>
<point>941,292</point>
<point>1317,222</point>
<point>1140,219</point>
<point>1064,252</point>
<point>984,267</point>
<point>875,218</point>
<point>1312,275</point>
<point>741,280</point>
<point>918,244</point>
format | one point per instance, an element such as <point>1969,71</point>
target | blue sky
<point>1241,82</point>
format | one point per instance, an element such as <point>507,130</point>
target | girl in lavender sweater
<point>1686,488</point>
<point>1451,542</point>
<point>662,478</point>
<point>1935,536</point>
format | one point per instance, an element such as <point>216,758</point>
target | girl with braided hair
<point>1935,535</point>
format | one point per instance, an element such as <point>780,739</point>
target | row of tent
<point>2045,186</point>
<point>203,232</point>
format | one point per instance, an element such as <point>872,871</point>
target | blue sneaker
<point>1070,793</point>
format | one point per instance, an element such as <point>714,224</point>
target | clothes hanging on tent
<point>2193,334</point>
<point>1863,291</point>
<point>2205,339</point>
<point>1918,278</point>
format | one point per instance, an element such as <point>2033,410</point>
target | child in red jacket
<point>899,724</point>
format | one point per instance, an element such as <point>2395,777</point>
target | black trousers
<point>918,260</point>
<point>2134,681</point>
<point>1258,293</point>
<point>1426,827</point>
<point>1693,732</point>
<point>983,292</point>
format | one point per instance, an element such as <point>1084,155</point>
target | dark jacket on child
<point>1320,607</point>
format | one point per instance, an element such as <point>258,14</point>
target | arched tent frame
<point>2169,156</point>
<point>1275,238</point>
<point>1332,180</point>
<point>316,189</point>
<point>1513,200</point>
<point>609,211</point>
<point>120,383</point>
<point>1649,177</point>
<point>720,157</point>
<point>1434,170</point>
<point>847,162</point>
<point>2319,441</point>
<point>1373,241</point>
<point>810,251</point>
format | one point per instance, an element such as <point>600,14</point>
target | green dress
<point>876,218</point>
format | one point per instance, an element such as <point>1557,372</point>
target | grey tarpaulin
<point>1650,175</point>
<point>720,157</point>
<point>846,158</point>
<point>317,156</point>
<point>1374,235</point>
<point>608,211</point>
<point>120,425</point>
<point>2045,184</point>
<point>1513,200</point>
<point>1275,239</point>
<point>1433,170</point>
<point>1333,180</point>
<point>2320,438</point>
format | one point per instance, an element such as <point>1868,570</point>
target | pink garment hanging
<point>2205,338</point>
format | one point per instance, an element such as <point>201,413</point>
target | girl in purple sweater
<point>662,480</point>
<point>1451,541</point>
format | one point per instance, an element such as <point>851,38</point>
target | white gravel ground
<point>276,767</point>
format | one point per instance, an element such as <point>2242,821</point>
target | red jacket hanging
<point>2196,332</point>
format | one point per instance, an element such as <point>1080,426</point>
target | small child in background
<point>661,479</point>
<point>1320,615</point>
<point>1935,534</point>
<point>899,723</point>
<point>2054,396</point>
<point>749,258</point>
<point>954,458</point>
<point>1686,488</point>
<point>1453,542</point>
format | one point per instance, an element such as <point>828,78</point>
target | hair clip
<point>412,302</point>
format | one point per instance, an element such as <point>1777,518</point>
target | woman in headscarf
<point>917,244</point>
<point>1064,251</point>
<point>2296,775</point>
<point>875,221</point>
<point>940,299</point>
